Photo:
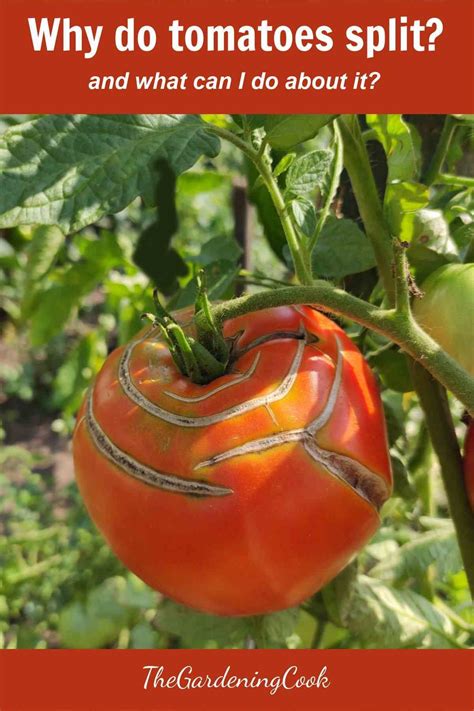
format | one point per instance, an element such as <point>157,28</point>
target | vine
<point>430,363</point>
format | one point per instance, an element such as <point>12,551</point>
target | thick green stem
<point>357,164</point>
<point>401,276</point>
<point>429,392</point>
<point>440,426</point>
<point>439,156</point>
<point>399,328</point>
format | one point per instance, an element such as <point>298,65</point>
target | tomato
<point>446,311</point>
<point>248,494</point>
<point>469,463</point>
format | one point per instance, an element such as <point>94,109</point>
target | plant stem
<point>399,328</point>
<point>323,215</point>
<point>460,181</point>
<point>401,273</point>
<point>299,255</point>
<point>357,164</point>
<point>440,426</point>
<point>439,155</point>
<point>432,397</point>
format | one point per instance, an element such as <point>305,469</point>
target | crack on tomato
<point>362,480</point>
<point>161,480</point>
<point>241,378</point>
<point>134,394</point>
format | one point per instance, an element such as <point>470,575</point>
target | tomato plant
<point>352,217</point>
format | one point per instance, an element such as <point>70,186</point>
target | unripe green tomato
<point>446,311</point>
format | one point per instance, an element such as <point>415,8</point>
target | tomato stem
<point>401,328</point>
<point>193,359</point>
<point>357,164</point>
<point>443,436</point>
<point>440,153</point>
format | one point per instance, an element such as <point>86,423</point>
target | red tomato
<point>248,494</point>
<point>469,463</point>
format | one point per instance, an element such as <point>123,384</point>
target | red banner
<point>307,56</point>
<point>429,680</point>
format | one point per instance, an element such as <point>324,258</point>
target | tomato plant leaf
<point>283,165</point>
<point>304,215</point>
<point>393,369</point>
<point>76,372</point>
<point>153,252</point>
<point>401,204</point>
<point>383,617</point>
<point>394,134</point>
<point>342,249</point>
<point>309,172</point>
<point>69,170</point>
<point>413,558</point>
<point>53,305</point>
<point>286,130</point>
<point>46,240</point>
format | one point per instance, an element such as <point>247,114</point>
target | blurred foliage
<point>66,300</point>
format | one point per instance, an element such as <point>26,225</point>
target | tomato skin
<point>287,524</point>
<point>469,463</point>
<point>446,309</point>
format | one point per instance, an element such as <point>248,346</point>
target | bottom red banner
<point>408,680</point>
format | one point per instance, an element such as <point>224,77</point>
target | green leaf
<point>153,252</point>
<point>77,371</point>
<point>412,559</point>
<point>395,415</point>
<point>284,164</point>
<point>270,631</point>
<point>401,204</point>
<point>223,248</point>
<point>393,368</point>
<point>431,243</point>
<point>41,253</point>
<point>107,609</point>
<point>304,215</point>
<point>201,181</point>
<point>70,170</point>
<point>342,249</point>
<point>220,280</point>
<point>198,630</point>
<point>309,172</point>
<point>431,230</point>
<point>143,636</point>
<point>463,237</point>
<point>54,305</point>
<point>287,130</point>
<point>396,138</point>
<point>382,617</point>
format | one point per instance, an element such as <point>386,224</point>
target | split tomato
<point>248,494</point>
